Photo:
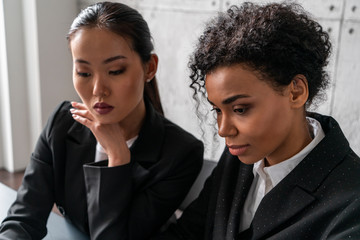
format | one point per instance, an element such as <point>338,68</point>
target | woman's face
<point>255,120</point>
<point>108,75</point>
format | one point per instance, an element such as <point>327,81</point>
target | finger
<point>84,121</point>
<point>82,113</point>
<point>78,105</point>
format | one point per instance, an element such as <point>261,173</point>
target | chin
<point>106,120</point>
<point>247,160</point>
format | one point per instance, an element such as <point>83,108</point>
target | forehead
<point>90,40</point>
<point>227,81</point>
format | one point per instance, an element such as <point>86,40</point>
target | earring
<point>148,80</point>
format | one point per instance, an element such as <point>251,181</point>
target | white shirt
<point>100,153</point>
<point>266,178</point>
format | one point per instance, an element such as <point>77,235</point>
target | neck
<point>298,139</point>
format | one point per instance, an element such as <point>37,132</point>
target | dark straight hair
<point>126,22</point>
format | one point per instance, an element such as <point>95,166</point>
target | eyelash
<point>242,110</point>
<point>85,74</point>
<point>117,72</point>
<point>239,111</point>
<point>217,110</point>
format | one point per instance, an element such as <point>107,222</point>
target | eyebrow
<point>113,59</point>
<point>231,99</point>
<point>106,61</point>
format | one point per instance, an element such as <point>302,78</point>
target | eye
<point>240,110</point>
<point>117,72</point>
<point>217,110</point>
<point>83,74</point>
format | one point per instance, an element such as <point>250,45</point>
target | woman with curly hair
<point>285,172</point>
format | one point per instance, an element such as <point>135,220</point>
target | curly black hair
<point>277,40</point>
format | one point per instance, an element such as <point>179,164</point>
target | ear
<point>299,91</point>
<point>151,67</point>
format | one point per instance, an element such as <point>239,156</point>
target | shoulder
<point>60,120</point>
<point>176,136</point>
<point>348,170</point>
<point>165,144</point>
<point>160,132</point>
<point>53,135</point>
<point>341,191</point>
<point>180,149</point>
<point>61,110</point>
<point>182,146</point>
<point>341,186</point>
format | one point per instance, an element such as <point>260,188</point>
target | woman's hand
<point>110,136</point>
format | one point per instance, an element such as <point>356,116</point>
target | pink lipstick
<point>102,108</point>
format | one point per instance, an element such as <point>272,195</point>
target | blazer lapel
<point>145,151</point>
<point>80,149</point>
<point>235,182</point>
<point>295,191</point>
<point>147,147</point>
<point>244,180</point>
<point>80,145</point>
<point>276,209</point>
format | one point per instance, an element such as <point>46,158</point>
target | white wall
<point>15,130</point>
<point>3,85</point>
<point>35,72</point>
<point>346,100</point>
<point>54,18</point>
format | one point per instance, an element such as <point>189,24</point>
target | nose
<point>226,127</point>
<point>100,88</point>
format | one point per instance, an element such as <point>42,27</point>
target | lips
<point>238,150</point>
<point>103,108</point>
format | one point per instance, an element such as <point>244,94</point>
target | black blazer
<point>319,199</point>
<point>125,202</point>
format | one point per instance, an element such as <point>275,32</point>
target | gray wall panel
<point>346,107</point>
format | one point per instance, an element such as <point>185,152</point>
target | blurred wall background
<point>35,65</point>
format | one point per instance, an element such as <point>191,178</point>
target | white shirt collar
<point>100,153</point>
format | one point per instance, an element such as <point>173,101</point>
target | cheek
<point>128,91</point>
<point>134,87</point>
<point>77,86</point>
<point>273,124</point>
<point>82,89</point>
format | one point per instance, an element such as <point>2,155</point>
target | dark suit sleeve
<point>118,208</point>
<point>193,222</point>
<point>28,215</point>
